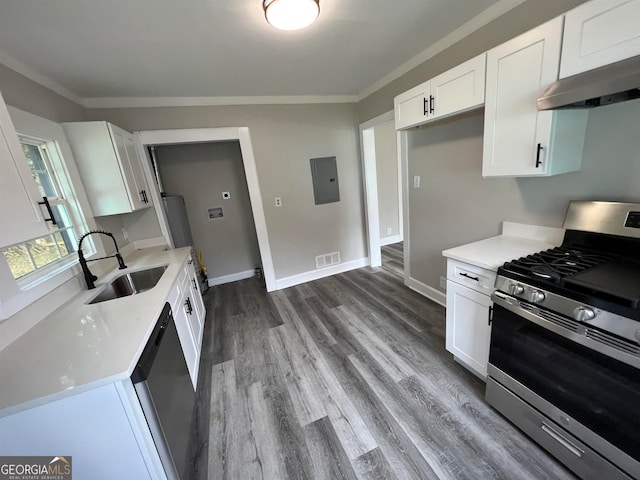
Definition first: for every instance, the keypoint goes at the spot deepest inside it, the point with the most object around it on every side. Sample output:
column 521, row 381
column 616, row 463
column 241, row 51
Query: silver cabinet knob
column 583, row 314
column 536, row 296
column 515, row 289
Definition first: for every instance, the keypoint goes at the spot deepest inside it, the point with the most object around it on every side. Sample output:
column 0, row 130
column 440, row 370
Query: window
column 46, row 166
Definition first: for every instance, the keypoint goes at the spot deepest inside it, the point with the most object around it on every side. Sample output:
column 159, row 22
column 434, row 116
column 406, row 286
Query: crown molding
column 19, row 67
column 490, row 14
column 142, row 102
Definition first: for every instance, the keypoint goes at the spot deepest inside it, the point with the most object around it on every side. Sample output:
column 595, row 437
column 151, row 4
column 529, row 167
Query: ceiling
column 224, row 48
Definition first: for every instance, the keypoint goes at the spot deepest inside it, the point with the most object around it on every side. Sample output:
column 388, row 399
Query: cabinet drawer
column 476, row 278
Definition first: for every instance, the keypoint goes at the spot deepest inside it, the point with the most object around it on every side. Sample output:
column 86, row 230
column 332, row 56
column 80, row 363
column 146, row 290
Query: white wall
column 455, row 205
column 387, row 175
column 284, row 138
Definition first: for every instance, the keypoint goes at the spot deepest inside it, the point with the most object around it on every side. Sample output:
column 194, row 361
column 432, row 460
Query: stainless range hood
column 613, row 83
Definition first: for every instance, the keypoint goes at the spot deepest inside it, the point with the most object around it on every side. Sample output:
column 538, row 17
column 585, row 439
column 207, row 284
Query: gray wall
column 201, row 172
column 284, row 138
column 25, row 94
column 20, row 92
column 387, row 173
column 529, row 14
column 455, row 205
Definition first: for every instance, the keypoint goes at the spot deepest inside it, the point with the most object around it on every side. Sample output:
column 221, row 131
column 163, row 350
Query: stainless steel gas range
column 564, row 361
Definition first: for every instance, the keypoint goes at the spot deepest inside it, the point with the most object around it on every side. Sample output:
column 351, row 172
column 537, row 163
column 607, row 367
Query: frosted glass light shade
column 291, row 14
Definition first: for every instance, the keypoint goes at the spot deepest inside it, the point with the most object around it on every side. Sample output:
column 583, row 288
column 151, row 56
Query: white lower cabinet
column 103, row 430
column 189, row 313
column 468, row 330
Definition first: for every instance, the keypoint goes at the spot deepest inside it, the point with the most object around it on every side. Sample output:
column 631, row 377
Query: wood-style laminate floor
column 393, row 258
column 345, row 378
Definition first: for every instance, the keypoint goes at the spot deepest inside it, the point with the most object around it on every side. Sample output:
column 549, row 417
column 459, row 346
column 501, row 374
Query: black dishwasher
column 164, row 388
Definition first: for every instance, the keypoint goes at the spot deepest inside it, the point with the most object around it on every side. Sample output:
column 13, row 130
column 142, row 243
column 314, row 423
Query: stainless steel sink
column 130, row 284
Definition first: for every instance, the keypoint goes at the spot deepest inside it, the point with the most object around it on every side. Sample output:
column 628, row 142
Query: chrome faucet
column 88, row 276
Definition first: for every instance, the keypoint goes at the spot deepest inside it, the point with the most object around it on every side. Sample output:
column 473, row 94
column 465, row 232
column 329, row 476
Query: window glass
column 27, row 257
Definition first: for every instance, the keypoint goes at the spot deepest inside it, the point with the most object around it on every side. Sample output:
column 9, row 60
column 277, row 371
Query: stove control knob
column 515, row 289
column 584, row 314
column 536, row 296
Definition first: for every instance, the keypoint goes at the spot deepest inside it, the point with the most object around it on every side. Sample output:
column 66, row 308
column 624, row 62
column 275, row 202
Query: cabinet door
column 412, row 107
column 459, row 89
column 600, row 32
column 136, row 167
column 185, row 333
column 468, row 330
column 196, row 304
column 129, row 164
column 516, row 135
column 109, row 166
column 21, row 216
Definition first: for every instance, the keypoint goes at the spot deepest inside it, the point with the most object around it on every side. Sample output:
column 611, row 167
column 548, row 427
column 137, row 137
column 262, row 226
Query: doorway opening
column 383, row 192
column 234, row 137
column 206, row 201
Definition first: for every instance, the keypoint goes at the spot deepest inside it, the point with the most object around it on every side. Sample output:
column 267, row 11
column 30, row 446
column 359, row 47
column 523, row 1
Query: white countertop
column 516, row 241
column 79, row 346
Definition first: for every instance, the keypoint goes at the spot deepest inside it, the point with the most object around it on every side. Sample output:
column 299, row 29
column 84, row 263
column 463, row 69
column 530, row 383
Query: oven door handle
column 578, row 452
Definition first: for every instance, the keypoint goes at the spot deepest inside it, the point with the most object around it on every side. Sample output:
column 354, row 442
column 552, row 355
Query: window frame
column 17, row 294
column 54, row 164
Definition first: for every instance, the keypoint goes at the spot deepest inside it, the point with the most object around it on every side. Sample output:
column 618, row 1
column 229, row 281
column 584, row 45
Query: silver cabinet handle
column 578, row 452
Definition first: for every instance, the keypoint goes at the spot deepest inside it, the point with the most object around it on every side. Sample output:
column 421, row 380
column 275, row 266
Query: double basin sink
column 130, row 283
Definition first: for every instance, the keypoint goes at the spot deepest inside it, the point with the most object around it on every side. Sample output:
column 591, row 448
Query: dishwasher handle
column 143, row 367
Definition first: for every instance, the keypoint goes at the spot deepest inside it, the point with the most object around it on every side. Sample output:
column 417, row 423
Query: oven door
column 538, row 356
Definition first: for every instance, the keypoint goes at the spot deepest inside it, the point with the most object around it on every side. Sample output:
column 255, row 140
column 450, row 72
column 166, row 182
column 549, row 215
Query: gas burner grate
column 555, row 264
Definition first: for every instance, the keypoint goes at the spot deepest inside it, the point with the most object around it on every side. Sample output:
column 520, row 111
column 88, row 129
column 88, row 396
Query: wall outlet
column 443, row 283
column 389, row 231
column 278, row 201
column 416, row 181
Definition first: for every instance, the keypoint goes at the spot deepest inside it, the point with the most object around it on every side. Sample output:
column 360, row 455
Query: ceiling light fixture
column 291, row 14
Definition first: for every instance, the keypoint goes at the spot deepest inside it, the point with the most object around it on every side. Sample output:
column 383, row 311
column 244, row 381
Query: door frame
column 370, row 180
column 207, row 135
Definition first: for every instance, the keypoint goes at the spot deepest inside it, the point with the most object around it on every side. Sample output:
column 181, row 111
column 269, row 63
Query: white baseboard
column 234, row 277
column 427, row 291
column 305, row 277
column 389, row 240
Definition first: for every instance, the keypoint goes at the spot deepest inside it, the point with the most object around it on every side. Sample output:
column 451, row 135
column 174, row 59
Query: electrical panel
column 324, row 172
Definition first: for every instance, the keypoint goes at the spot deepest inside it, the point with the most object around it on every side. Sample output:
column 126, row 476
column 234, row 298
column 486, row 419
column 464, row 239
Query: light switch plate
column 226, row 195
column 416, row 181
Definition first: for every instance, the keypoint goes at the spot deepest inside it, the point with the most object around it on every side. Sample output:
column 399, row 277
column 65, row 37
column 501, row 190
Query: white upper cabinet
column 459, row 89
column 412, row 107
column 600, row 32
column 518, row 139
column 455, row 91
column 110, row 168
column 21, row 216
